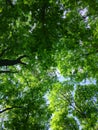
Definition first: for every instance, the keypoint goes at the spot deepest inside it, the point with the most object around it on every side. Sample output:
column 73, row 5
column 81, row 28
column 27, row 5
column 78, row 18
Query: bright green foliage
column 58, row 86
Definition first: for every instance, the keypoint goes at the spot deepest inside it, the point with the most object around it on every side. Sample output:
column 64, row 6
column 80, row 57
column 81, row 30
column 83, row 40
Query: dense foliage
column 48, row 65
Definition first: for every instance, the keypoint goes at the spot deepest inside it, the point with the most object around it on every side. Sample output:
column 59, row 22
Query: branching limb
column 20, row 58
column 74, row 106
column 7, row 62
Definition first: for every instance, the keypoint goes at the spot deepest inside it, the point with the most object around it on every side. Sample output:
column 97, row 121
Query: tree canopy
column 48, row 65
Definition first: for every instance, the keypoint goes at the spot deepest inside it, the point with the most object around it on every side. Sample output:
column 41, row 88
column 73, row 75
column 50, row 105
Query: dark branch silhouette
column 9, row 108
column 7, row 62
column 7, row 71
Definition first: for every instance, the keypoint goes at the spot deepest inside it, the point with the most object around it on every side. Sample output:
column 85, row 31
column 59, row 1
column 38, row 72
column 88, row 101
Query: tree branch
column 7, row 71
column 9, row 108
column 7, row 62
column 74, row 106
column 3, row 51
